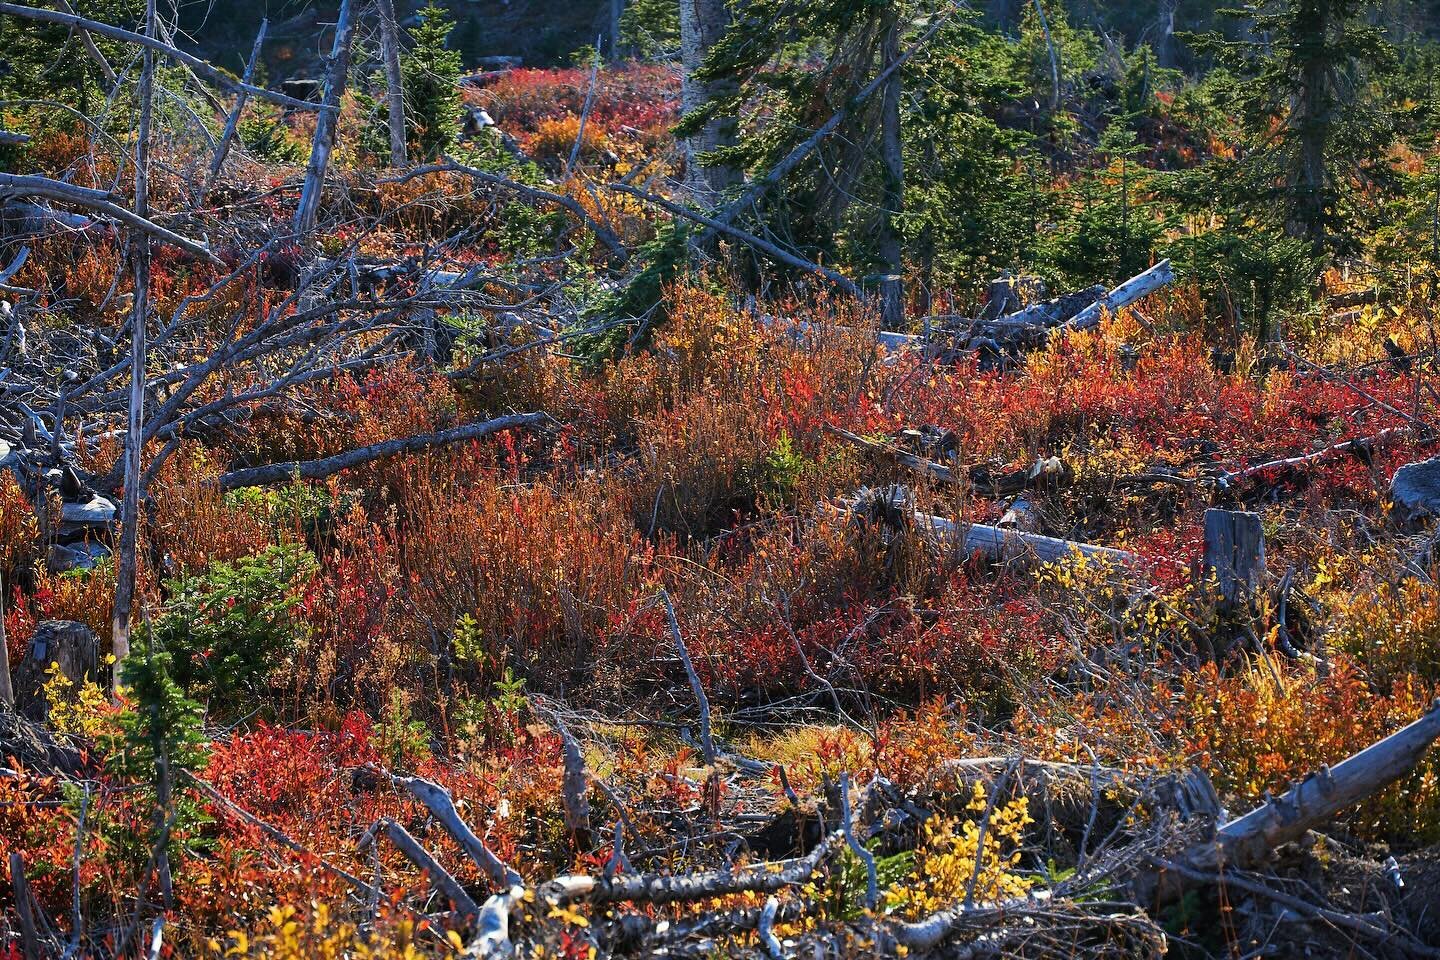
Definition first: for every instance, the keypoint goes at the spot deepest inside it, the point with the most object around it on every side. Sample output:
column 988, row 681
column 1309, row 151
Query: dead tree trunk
column 617, row 11
column 1315, row 800
column 135, row 426
column 324, row 143
column 892, row 287
column 394, row 82
column 702, row 24
column 232, row 122
column 1235, row 556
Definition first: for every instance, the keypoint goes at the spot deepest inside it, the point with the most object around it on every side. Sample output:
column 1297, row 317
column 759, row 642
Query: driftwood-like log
column 437, row 800
column 574, row 799
column 33, row 185
column 325, row 466
column 336, row 73
column 1132, row 290
column 997, row 541
column 993, row 542
column 1318, row 798
column 659, row 888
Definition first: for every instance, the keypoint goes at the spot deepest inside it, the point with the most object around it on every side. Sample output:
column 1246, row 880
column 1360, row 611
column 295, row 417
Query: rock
column 72, row 645
column 1415, row 490
column 97, row 511
column 12, row 459
column 75, row 556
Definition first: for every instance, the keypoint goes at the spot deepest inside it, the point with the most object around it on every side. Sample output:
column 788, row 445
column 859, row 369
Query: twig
column 707, row 739
column 440, row 878
column 274, row 834
column 200, row 67
column 872, row 886
column 326, row 466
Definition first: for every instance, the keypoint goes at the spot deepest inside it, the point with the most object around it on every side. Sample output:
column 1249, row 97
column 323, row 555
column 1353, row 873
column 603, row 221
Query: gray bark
column 134, row 445
column 892, row 286
column 232, row 122
column 335, row 75
column 1235, row 555
column 702, row 24
column 394, row 81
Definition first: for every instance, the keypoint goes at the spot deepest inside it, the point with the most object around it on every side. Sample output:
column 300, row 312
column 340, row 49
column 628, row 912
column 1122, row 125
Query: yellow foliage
column 946, row 858
column 287, row 934
column 82, row 709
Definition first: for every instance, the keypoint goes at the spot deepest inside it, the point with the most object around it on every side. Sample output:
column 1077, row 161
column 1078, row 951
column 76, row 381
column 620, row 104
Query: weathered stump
column 1235, row 556
column 72, row 646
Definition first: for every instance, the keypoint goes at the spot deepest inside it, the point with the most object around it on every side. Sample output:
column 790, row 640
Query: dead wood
column 99, row 201
column 602, row 233
column 1314, row 801
column 394, row 81
column 199, row 67
column 437, row 800
column 326, row 466
column 663, row 888
column 896, row 506
column 232, row 120
column 336, row 73
column 277, row 835
column 439, row 877
column 841, row 282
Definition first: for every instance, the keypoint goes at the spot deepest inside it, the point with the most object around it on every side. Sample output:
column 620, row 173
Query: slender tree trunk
column 1310, row 116
column 1164, row 44
column 702, row 24
column 325, row 123
column 7, row 689
column 232, row 122
column 617, row 9
column 892, row 203
column 125, row 569
column 394, row 81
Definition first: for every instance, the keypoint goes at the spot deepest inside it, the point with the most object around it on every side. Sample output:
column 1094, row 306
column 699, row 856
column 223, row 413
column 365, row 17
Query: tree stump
column 73, row 646
column 1235, row 556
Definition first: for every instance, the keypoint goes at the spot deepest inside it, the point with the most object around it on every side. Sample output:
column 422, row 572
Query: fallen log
column 33, row 185
column 1318, row 798
column 991, row 541
column 1357, row 445
column 326, row 466
column 1136, row 288
column 659, row 888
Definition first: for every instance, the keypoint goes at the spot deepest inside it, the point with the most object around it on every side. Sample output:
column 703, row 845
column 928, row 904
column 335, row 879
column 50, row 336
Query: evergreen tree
column 50, row 62
column 792, row 64
column 1316, row 131
column 430, row 72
